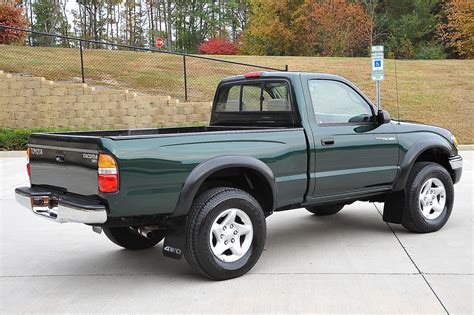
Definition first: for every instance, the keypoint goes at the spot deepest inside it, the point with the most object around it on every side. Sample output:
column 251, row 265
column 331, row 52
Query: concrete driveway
column 351, row 262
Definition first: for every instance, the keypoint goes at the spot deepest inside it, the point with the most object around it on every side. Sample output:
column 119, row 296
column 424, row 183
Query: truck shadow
column 352, row 225
column 297, row 231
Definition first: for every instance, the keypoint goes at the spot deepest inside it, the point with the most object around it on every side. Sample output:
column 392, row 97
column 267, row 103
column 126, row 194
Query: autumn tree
column 11, row 15
column 333, row 28
column 458, row 31
column 270, row 28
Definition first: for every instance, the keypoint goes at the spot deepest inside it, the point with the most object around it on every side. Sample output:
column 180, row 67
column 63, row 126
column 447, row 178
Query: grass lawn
column 439, row 92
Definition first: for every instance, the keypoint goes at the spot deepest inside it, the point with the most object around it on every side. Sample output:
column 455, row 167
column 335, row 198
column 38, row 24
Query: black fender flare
column 202, row 171
column 393, row 211
column 414, row 152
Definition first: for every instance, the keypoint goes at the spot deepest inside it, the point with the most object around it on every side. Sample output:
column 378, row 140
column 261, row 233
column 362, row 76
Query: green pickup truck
column 276, row 141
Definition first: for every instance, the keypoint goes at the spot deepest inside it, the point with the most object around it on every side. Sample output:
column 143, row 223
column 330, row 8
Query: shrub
column 431, row 52
column 17, row 139
column 12, row 16
column 218, row 46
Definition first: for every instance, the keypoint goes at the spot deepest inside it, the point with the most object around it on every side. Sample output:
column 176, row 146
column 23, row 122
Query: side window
column 336, row 103
column 265, row 96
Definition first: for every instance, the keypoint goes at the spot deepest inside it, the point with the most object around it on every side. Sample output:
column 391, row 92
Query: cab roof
column 283, row 74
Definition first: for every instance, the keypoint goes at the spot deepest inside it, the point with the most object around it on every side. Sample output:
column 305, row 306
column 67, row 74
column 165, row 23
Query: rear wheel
column 128, row 238
column 225, row 233
column 325, row 209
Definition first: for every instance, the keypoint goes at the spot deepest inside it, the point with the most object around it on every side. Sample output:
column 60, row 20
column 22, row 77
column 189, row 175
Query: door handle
column 327, row 141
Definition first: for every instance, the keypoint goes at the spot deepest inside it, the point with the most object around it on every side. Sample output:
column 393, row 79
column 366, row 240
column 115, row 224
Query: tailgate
column 64, row 162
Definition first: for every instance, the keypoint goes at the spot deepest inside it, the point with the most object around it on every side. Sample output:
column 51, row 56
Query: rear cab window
column 254, row 97
column 255, row 102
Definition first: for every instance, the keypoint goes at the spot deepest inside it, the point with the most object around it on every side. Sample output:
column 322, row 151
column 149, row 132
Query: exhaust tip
column 146, row 233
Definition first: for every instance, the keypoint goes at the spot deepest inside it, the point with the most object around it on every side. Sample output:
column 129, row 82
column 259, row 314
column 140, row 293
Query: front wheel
column 225, row 233
column 429, row 198
column 128, row 238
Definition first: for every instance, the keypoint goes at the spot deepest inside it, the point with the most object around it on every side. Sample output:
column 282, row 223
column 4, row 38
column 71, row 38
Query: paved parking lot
column 351, row 262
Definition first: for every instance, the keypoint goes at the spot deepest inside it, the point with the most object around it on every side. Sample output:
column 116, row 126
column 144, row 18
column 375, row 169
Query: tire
column 325, row 210
column 420, row 192
column 210, row 219
column 129, row 239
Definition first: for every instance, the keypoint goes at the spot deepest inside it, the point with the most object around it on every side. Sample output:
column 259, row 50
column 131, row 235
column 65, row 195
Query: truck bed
column 154, row 163
column 76, row 172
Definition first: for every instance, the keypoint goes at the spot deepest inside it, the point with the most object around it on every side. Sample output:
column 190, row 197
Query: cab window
column 269, row 96
column 336, row 103
column 251, row 95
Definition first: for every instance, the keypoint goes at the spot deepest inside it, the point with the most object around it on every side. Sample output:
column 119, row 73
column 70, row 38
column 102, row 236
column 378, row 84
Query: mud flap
column 173, row 246
column 394, row 207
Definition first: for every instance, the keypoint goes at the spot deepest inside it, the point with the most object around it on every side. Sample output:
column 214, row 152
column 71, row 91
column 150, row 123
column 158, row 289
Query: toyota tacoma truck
column 276, row 141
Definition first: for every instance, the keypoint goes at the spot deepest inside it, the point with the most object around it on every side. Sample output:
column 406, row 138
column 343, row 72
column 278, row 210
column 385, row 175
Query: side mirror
column 383, row 117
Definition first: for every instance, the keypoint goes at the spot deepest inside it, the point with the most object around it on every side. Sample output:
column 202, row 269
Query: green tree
column 410, row 24
column 49, row 18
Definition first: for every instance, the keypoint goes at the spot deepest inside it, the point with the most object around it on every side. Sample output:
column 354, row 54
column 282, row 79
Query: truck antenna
column 396, row 90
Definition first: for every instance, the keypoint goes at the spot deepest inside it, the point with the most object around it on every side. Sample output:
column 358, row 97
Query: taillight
column 108, row 174
column 28, row 169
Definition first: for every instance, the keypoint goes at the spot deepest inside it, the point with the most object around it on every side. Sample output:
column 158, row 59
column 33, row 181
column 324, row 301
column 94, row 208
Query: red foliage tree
column 218, row 46
column 12, row 16
column 334, row 28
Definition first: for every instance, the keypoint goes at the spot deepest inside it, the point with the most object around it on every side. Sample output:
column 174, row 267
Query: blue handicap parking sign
column 377, row 63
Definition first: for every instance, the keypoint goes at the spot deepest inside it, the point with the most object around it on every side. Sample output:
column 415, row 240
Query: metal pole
column 396, row 90
column 185, row 79
column 82, row 61
column 378, row 94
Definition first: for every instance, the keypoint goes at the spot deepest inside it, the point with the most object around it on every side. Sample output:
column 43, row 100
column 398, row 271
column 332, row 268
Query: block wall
column 29, row 102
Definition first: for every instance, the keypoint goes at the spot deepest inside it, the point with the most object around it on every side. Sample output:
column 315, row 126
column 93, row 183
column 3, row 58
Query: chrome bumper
column 455, row 162
column 60, row 209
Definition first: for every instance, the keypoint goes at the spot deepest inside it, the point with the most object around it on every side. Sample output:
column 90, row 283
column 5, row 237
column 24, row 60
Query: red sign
column 159, row 42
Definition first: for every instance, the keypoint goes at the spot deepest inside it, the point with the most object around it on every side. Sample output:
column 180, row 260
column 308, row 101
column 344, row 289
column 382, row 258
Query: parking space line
column 413, row 262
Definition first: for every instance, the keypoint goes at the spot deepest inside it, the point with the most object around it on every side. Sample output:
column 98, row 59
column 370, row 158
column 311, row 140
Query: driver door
column 353, row 153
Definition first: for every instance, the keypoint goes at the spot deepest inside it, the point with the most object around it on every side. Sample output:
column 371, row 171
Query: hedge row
column 17, row 139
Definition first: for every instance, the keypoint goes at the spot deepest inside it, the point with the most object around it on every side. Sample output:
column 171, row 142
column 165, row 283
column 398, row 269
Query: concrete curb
column 462, row 147
column 466, row 147
column 12, row 153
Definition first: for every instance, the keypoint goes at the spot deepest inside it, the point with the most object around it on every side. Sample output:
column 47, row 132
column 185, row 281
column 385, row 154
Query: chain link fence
column 143, row 70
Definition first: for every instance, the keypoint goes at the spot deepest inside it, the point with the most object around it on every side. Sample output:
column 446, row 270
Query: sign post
column 377, row 69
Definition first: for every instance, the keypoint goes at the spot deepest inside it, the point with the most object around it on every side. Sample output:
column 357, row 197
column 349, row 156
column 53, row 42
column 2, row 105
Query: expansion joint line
column 412, row 261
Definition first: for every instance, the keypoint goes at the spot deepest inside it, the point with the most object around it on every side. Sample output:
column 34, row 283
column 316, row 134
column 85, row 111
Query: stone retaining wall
column 29, row 102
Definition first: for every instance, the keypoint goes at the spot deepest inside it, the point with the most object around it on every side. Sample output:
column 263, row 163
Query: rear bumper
column 62, row 208
column 456, row 165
